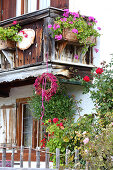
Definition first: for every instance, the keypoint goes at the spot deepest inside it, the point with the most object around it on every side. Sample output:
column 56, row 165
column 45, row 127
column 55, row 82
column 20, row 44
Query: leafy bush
column 10, row 32
column 98, row 150
column 61, row 105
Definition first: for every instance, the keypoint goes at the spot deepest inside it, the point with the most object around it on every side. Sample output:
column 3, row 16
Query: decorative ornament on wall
column 27, row 40
column 41, row 85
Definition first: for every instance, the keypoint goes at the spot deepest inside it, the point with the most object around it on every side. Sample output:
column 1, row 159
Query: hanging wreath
column 41, row 84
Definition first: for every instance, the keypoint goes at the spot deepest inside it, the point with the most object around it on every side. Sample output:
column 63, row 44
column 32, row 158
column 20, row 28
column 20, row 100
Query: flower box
column 68, row 35
column 7, row 44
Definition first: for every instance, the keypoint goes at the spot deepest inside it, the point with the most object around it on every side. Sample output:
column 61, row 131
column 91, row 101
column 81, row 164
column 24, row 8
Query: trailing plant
column 83, row 27
column 10, row 33
column 61, row 105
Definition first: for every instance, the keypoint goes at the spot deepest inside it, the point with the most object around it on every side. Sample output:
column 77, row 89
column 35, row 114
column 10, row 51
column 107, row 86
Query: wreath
column 41, row 85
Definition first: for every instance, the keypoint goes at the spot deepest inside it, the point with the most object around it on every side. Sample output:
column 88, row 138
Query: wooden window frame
column 19, row 103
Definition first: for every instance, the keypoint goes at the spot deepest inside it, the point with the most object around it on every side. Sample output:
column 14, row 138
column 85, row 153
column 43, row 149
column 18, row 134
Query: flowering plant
column 101, row 90
column 10, row 33
column 81, row 26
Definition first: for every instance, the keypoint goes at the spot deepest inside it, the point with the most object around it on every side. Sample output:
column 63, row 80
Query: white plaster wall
column 16, row 93
column 102, row 10
column 86, row 104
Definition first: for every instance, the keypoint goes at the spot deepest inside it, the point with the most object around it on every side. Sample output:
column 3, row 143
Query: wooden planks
column 60, row 4
column 33, row 54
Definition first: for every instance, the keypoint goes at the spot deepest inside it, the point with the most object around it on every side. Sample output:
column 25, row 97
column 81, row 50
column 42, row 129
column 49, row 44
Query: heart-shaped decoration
column 27, row 40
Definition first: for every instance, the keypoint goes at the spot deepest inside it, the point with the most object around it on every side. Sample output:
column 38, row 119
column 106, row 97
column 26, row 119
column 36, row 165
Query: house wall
column 103, row 12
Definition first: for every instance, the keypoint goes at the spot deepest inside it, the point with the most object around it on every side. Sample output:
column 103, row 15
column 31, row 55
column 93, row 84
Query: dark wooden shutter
column 62, row 4
column 8, row 9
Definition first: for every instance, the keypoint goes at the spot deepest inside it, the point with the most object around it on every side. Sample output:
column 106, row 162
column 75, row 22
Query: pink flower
column 86, row 140
column 70, row 22
column 55, row 120
column 49, row 26
column 96, row 50
column 58, row 26
column 86, row 78
column 63, row 19
column 91, row 18
column 98, row 28
column 58, row 37
column 75, row 31
column 54, row 27
column 76, row 15
column 99, row 70
column 66, row 14
column 14, row 22
column 74, row 19
column 66, row 10
column 90, row 24
column 96, row 21
column 76, row 56
column 61, row 124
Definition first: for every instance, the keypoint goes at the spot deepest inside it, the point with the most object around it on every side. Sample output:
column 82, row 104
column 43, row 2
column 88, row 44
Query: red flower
column 86, row 78
column 42, row 124
column 49, row 134
column 55, row 120
column 57, row 124
column 61, row 124
column 49, row 120
column 99, row 70
column 14, row 22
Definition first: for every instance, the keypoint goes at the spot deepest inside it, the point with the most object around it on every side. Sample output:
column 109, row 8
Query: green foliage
column 101, row 90
column 61, row 105
column 85, row 29
column 10, row 33
column 62, row 137
column 98, row 150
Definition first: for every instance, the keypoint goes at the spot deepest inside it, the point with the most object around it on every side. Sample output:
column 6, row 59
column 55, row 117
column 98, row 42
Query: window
column 29, row 131
column 27, row 126
column 44, row 4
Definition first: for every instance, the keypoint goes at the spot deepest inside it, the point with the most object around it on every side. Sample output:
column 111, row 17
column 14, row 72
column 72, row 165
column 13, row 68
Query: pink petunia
column 14, row 22
column 50, row 26
column 66, row 10
column 90, row 24
column 98, row 28
column 75, row 31
column 76, row 56
column 76, row 15
column 91, row 18
column 54, row 27
column 58, row 26
column 74, row 19
column 66, row 14
column 58, row 37
column 70, row 22
column 96, row 50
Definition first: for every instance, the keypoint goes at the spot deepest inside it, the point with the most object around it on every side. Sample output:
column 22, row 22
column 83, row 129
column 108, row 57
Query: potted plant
column 8, row 36
column 75, row 28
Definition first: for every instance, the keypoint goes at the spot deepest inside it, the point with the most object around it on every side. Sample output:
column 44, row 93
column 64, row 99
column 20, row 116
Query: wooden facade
column 62, row 63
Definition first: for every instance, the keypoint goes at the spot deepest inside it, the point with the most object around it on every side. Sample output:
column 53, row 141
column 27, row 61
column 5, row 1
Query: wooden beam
column 4, row 94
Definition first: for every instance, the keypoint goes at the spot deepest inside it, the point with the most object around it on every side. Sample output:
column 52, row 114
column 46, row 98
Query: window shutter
column 8, row 125
column 8, row 9
column 60, row 4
